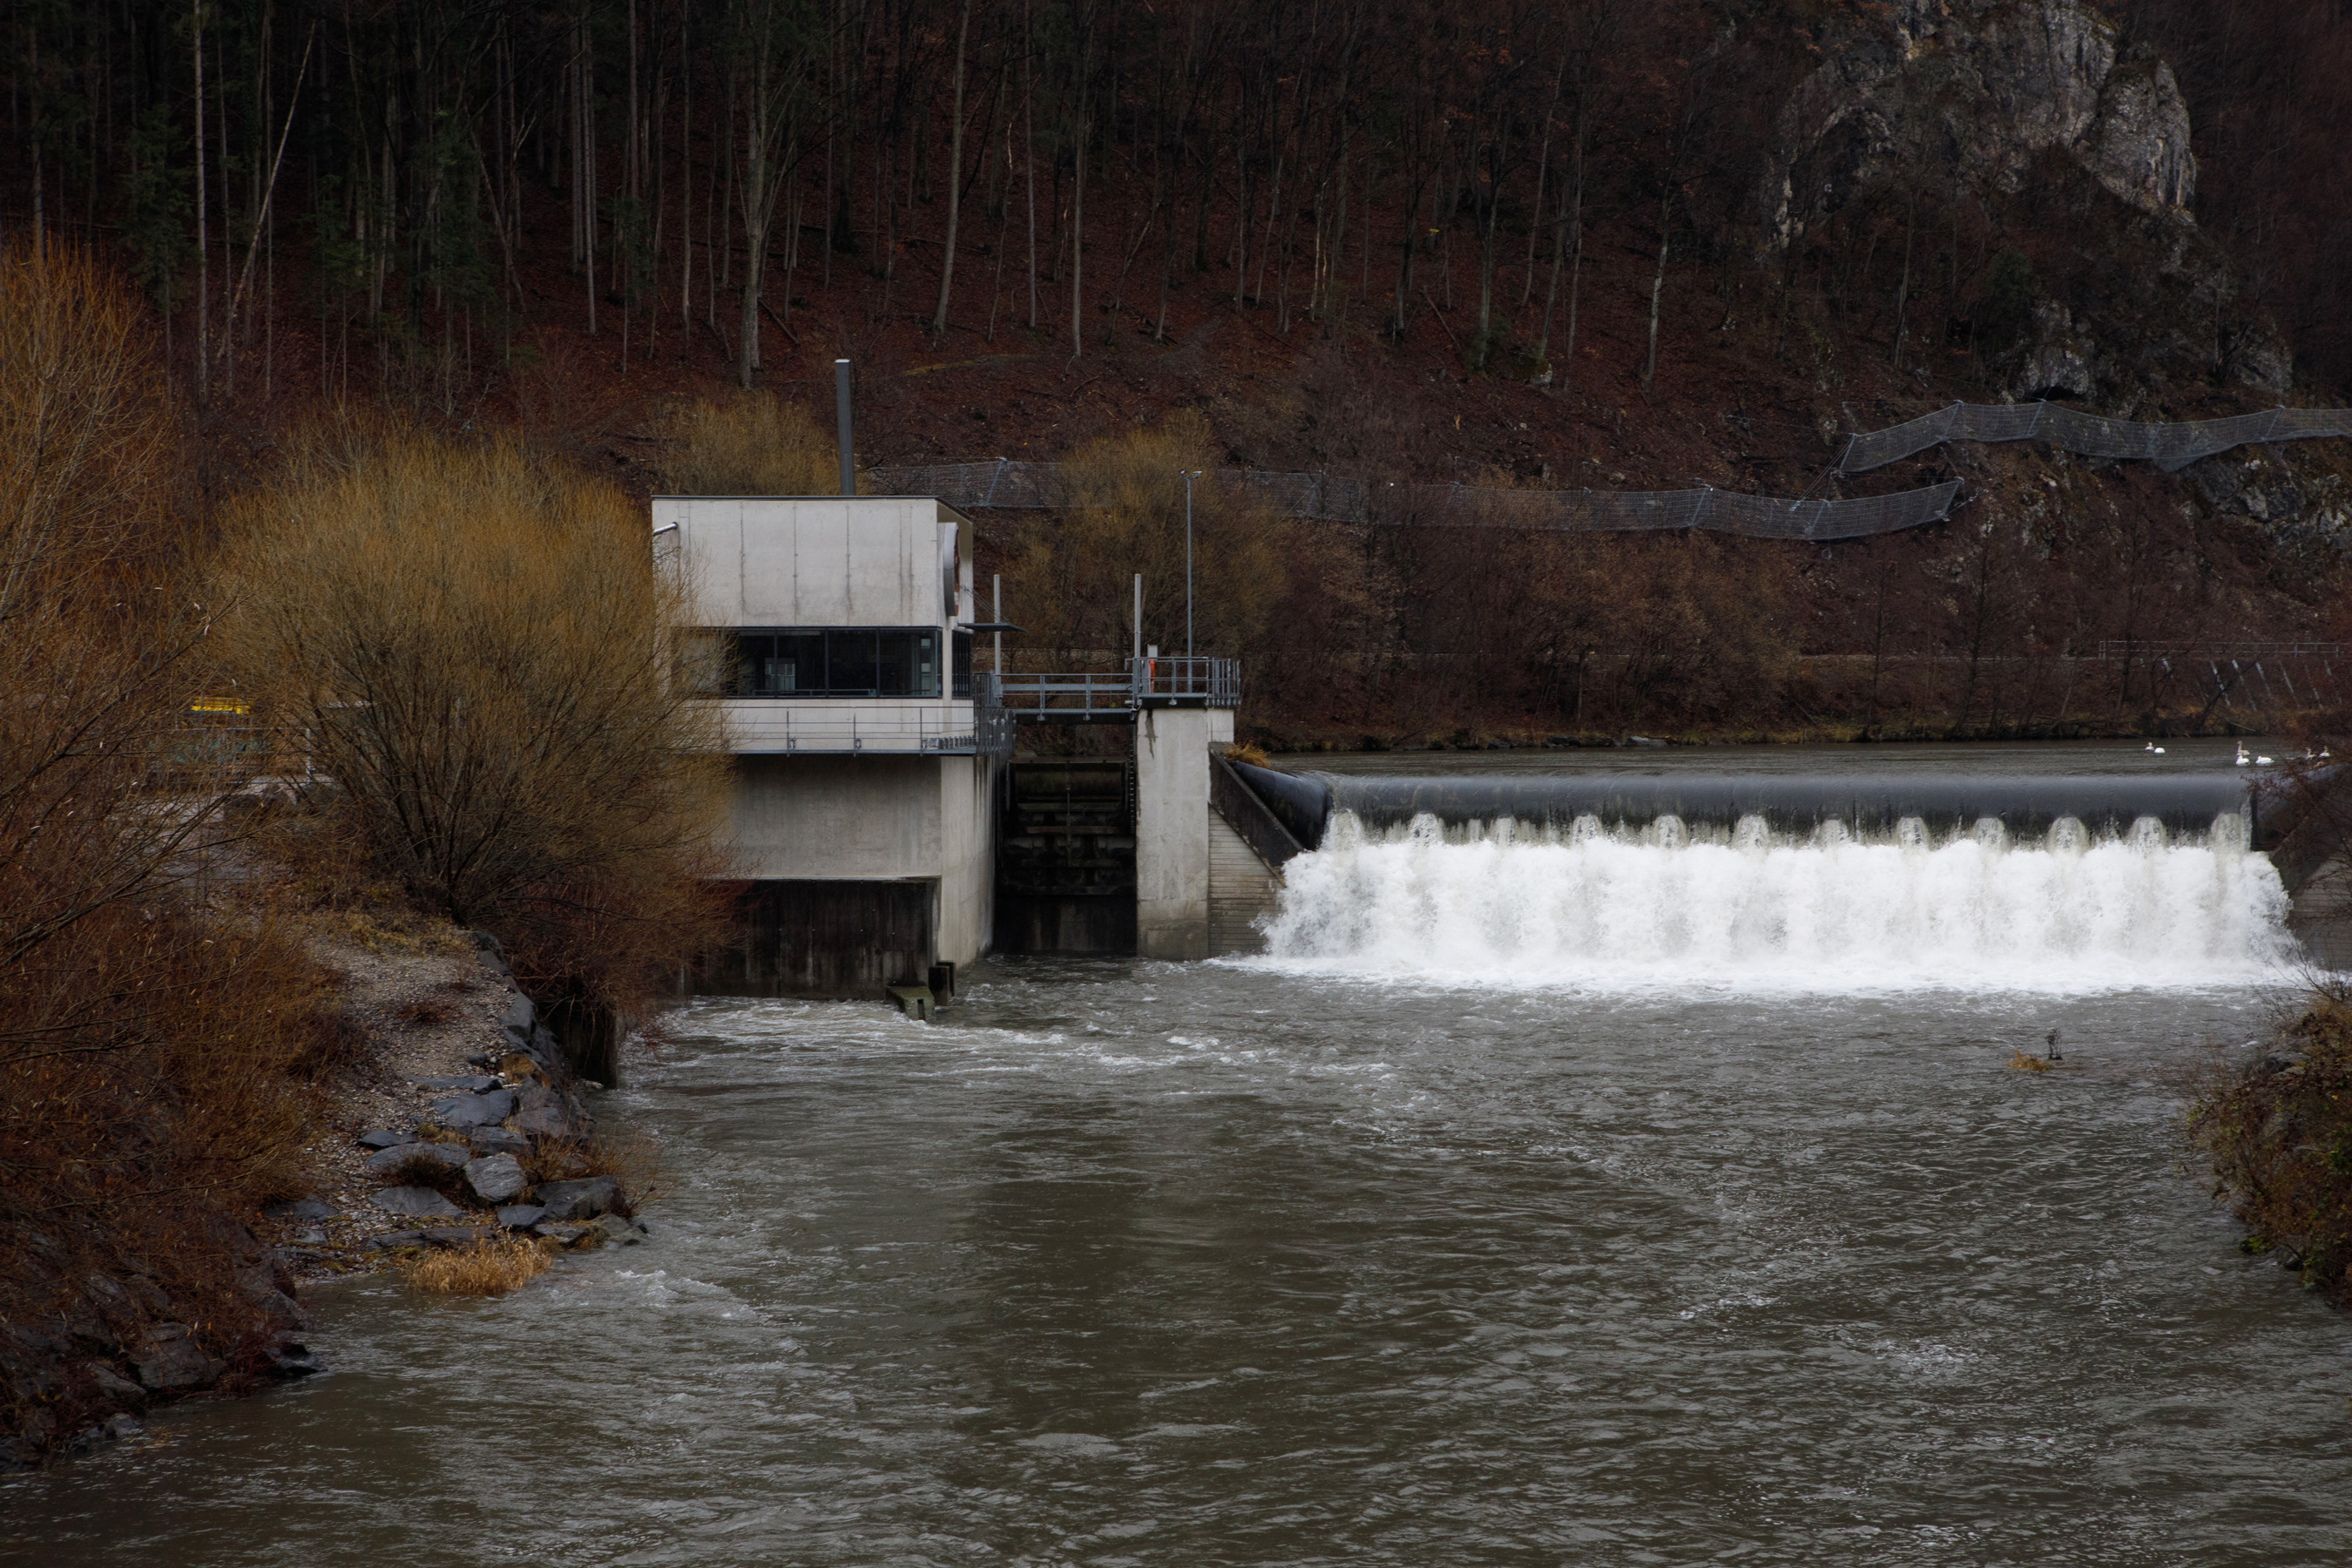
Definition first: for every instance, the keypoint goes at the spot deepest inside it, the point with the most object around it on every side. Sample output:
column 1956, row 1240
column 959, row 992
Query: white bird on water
column 2156, row 749
column 2243, row 758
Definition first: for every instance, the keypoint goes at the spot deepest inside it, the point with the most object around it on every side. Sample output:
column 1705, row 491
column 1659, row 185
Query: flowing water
column 1542, row 1198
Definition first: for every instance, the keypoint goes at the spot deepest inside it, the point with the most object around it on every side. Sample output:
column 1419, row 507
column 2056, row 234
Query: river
column 1360, row 1254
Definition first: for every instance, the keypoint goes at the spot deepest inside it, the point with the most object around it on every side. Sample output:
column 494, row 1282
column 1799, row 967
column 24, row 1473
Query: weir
column 1865, row 806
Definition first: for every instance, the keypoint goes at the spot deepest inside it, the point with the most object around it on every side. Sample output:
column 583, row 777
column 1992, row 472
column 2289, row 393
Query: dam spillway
column 1819, row 883
column 2025, row 806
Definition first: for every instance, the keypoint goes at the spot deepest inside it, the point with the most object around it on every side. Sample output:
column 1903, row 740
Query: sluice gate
column 1066, row 858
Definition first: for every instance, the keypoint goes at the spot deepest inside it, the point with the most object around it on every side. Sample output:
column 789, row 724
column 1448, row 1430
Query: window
column 850, row 661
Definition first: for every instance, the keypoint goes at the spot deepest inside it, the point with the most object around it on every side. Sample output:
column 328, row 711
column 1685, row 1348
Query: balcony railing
column 760, row 726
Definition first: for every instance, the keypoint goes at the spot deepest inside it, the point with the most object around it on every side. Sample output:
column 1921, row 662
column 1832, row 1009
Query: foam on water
column 1744, row 910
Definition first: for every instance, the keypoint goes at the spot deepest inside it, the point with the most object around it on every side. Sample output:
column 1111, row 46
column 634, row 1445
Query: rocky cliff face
column 1974, row 91
column 2030, row 103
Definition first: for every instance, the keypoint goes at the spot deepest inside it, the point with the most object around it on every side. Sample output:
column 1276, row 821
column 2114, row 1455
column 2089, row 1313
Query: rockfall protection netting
column 1328, row 498
column 2170, row 446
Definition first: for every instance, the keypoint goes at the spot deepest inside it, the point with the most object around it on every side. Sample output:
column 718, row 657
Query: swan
column 2262, row 761
column 2243, row 758
column 2152, row 746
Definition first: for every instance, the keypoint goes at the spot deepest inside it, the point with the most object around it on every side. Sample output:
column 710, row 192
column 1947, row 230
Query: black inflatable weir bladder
column 2026, row 806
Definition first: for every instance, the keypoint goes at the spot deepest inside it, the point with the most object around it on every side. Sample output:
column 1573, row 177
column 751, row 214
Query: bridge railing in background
column 1332, row 498
column 2170, row 446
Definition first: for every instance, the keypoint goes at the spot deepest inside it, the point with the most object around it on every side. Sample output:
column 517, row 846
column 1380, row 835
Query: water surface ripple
column 1134, row 1263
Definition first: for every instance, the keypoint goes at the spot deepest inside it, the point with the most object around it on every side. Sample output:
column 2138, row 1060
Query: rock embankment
column 456, row 1121
column 476, row 1127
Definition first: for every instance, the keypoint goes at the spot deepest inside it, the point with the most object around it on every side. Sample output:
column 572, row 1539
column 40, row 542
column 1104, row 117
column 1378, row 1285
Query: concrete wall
column 872, row 561
column 968, row 807
column 1242, row 888
column 1171, row 828
column 872, row 819
column 836, row 817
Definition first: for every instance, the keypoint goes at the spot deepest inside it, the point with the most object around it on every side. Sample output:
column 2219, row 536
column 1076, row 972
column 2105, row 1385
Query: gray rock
column 416, row 1202
column 171, row 1359
column 618, row 1231
column 492, row 955
column 496, row 1178
column 392, row 1241
column 309, row 1208
column 385, row 1138
column 122, row 1424
column 291, row 1360
column 542, row 1114
column 519, row 1015
column 561, row 1232
column 460, row 1111
column 471, row 1082
column 584, row 1199
column 458, row 1235
column 496, row 1141
column 521, row 1217
column 282, row 1312
column 113, row 1385
column 410, row 1156
column 87, row 1327
column 313, row 1236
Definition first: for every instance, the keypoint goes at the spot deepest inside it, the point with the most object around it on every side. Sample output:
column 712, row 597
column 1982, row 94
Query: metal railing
column 1088, row 696
column 2120, row 647
column 1185, row 681
column 1068, row 697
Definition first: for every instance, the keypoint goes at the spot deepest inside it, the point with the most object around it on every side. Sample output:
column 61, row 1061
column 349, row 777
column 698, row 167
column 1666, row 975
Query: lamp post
column 1187, row 561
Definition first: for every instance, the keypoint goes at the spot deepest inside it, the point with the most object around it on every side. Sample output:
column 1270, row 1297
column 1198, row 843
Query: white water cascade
column 1748, row 910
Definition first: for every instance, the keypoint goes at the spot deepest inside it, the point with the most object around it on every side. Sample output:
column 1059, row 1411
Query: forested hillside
column 1615, row 243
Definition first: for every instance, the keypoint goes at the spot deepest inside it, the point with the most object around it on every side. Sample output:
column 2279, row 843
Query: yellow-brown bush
column 473, row 640
column 752, row 444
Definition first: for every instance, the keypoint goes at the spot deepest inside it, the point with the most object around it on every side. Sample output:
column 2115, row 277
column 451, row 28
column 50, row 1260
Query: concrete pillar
column 1171, row 828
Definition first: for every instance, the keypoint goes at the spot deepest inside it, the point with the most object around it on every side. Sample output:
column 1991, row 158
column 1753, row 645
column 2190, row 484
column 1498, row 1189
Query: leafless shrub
column 2278, row 1130
column 1071, row 575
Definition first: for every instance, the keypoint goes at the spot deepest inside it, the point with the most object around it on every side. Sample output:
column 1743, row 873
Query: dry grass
column 750, row 444
column 2021, row 1062
column 485, row 1268
column 1254, row 755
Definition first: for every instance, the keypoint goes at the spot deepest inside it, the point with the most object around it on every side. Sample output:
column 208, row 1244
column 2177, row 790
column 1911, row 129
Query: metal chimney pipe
column 841, row 418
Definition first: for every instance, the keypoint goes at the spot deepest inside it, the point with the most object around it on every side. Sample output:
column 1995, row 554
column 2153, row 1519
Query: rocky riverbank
column 451, row 1120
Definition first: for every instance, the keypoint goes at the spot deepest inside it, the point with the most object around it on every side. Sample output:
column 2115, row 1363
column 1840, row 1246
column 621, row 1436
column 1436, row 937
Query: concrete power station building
column 883, row 832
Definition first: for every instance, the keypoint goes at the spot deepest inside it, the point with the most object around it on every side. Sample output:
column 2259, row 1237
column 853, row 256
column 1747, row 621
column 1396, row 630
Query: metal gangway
column 1116, row 697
